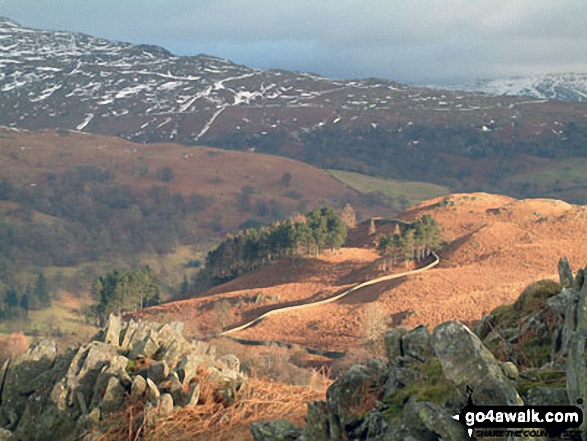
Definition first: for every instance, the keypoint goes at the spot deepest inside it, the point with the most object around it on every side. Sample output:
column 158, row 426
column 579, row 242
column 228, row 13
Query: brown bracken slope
column 496, row 246
column 27, row 157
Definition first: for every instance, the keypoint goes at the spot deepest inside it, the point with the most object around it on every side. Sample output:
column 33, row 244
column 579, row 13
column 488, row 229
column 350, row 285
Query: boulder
column 436, row 421
column 113, row 397
column 152, row 392
column 145, row 348
column 158, row 371
column 175, row 389
column 546, row 396
column 373, row 425
column 565, row 274
column 5, row 434
column 112, row 331
column 36, row 361
column 187, row 367
column 393, row 343
column 416, row 343
column 317, row 426
column 279, row 430
column 466, row 362
column 229, row 366
column 576, row 336
column 191, row 399
column 347, row 396
column 84, row 370
column 165, row 405
column 138, row 387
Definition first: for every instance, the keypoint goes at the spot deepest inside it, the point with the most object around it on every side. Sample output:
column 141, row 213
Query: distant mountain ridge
column 553, row 86
column 463, row 140
column 103, row 80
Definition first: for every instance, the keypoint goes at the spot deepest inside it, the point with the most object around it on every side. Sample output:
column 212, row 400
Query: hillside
column 464, row 140
column 77, row 205
column 205, row 191
column 496, row 246
column 554, row 86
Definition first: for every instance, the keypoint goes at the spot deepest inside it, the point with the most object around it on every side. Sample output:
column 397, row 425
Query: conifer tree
column 385, row 249
column 184, row 288
column 41, row 291
column 24, row 303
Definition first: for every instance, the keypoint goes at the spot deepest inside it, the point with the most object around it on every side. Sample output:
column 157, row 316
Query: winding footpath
column 330, row 354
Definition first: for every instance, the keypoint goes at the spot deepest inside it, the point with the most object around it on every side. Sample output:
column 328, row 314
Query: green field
column 570, row 171
column 414, row 192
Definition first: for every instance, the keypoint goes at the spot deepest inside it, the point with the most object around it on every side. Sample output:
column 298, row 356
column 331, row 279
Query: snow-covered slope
column 54, row 79
column 558, row 87
column 71, row 80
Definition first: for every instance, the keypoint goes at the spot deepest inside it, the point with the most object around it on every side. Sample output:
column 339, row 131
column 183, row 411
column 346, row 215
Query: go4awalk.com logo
column 492, row 421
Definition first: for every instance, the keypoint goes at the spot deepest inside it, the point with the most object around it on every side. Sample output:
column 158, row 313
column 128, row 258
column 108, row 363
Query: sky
column 410, row 41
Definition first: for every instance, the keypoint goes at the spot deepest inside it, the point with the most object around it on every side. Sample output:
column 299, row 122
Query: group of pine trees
column 250, row 249
column 122, row 290
column 414, row 241
column 18, row 301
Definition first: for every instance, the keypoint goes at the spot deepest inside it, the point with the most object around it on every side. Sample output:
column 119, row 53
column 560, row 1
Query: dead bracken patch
column 259, row 400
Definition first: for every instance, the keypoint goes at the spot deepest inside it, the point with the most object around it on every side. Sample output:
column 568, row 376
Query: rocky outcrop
column 532, row 352
column 466, row 362
column 575, row 342
column 46, row 396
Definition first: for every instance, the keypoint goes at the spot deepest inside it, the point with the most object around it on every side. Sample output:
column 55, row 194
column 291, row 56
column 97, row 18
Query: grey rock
column 510, row 370
column 416, row 343
column 317, row 427
column 113, row 397
column 176, row 389
column 436, row 420
column 158, row 371
column 128, row 334
column 38, row 359
column 145, row 348
column 124, row 378
column 374, row 425
column 579, row 280
column 393, row 343
column 187, row 367
column 576, row 333
column 486, row 325
column 279, row 430
column 546, row 396
column 152, row 391
column 398, row 378
column 347, row 394
column 558, row 303
column 230, row 365
column 565, row 274
column 112, row 331
column 5, row 434
column 193, row 395
column 139, row 385
column 165, row 405
column 86, row 366
column 50, row 397
column 108, row 371
column 465, row 361
column 173, row 352
column 3, row 371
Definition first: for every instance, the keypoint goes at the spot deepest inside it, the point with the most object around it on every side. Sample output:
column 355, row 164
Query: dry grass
column 12, row 346
column 259, row 400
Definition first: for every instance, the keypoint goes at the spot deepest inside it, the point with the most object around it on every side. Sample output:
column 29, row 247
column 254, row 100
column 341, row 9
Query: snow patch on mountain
column 554, row 86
